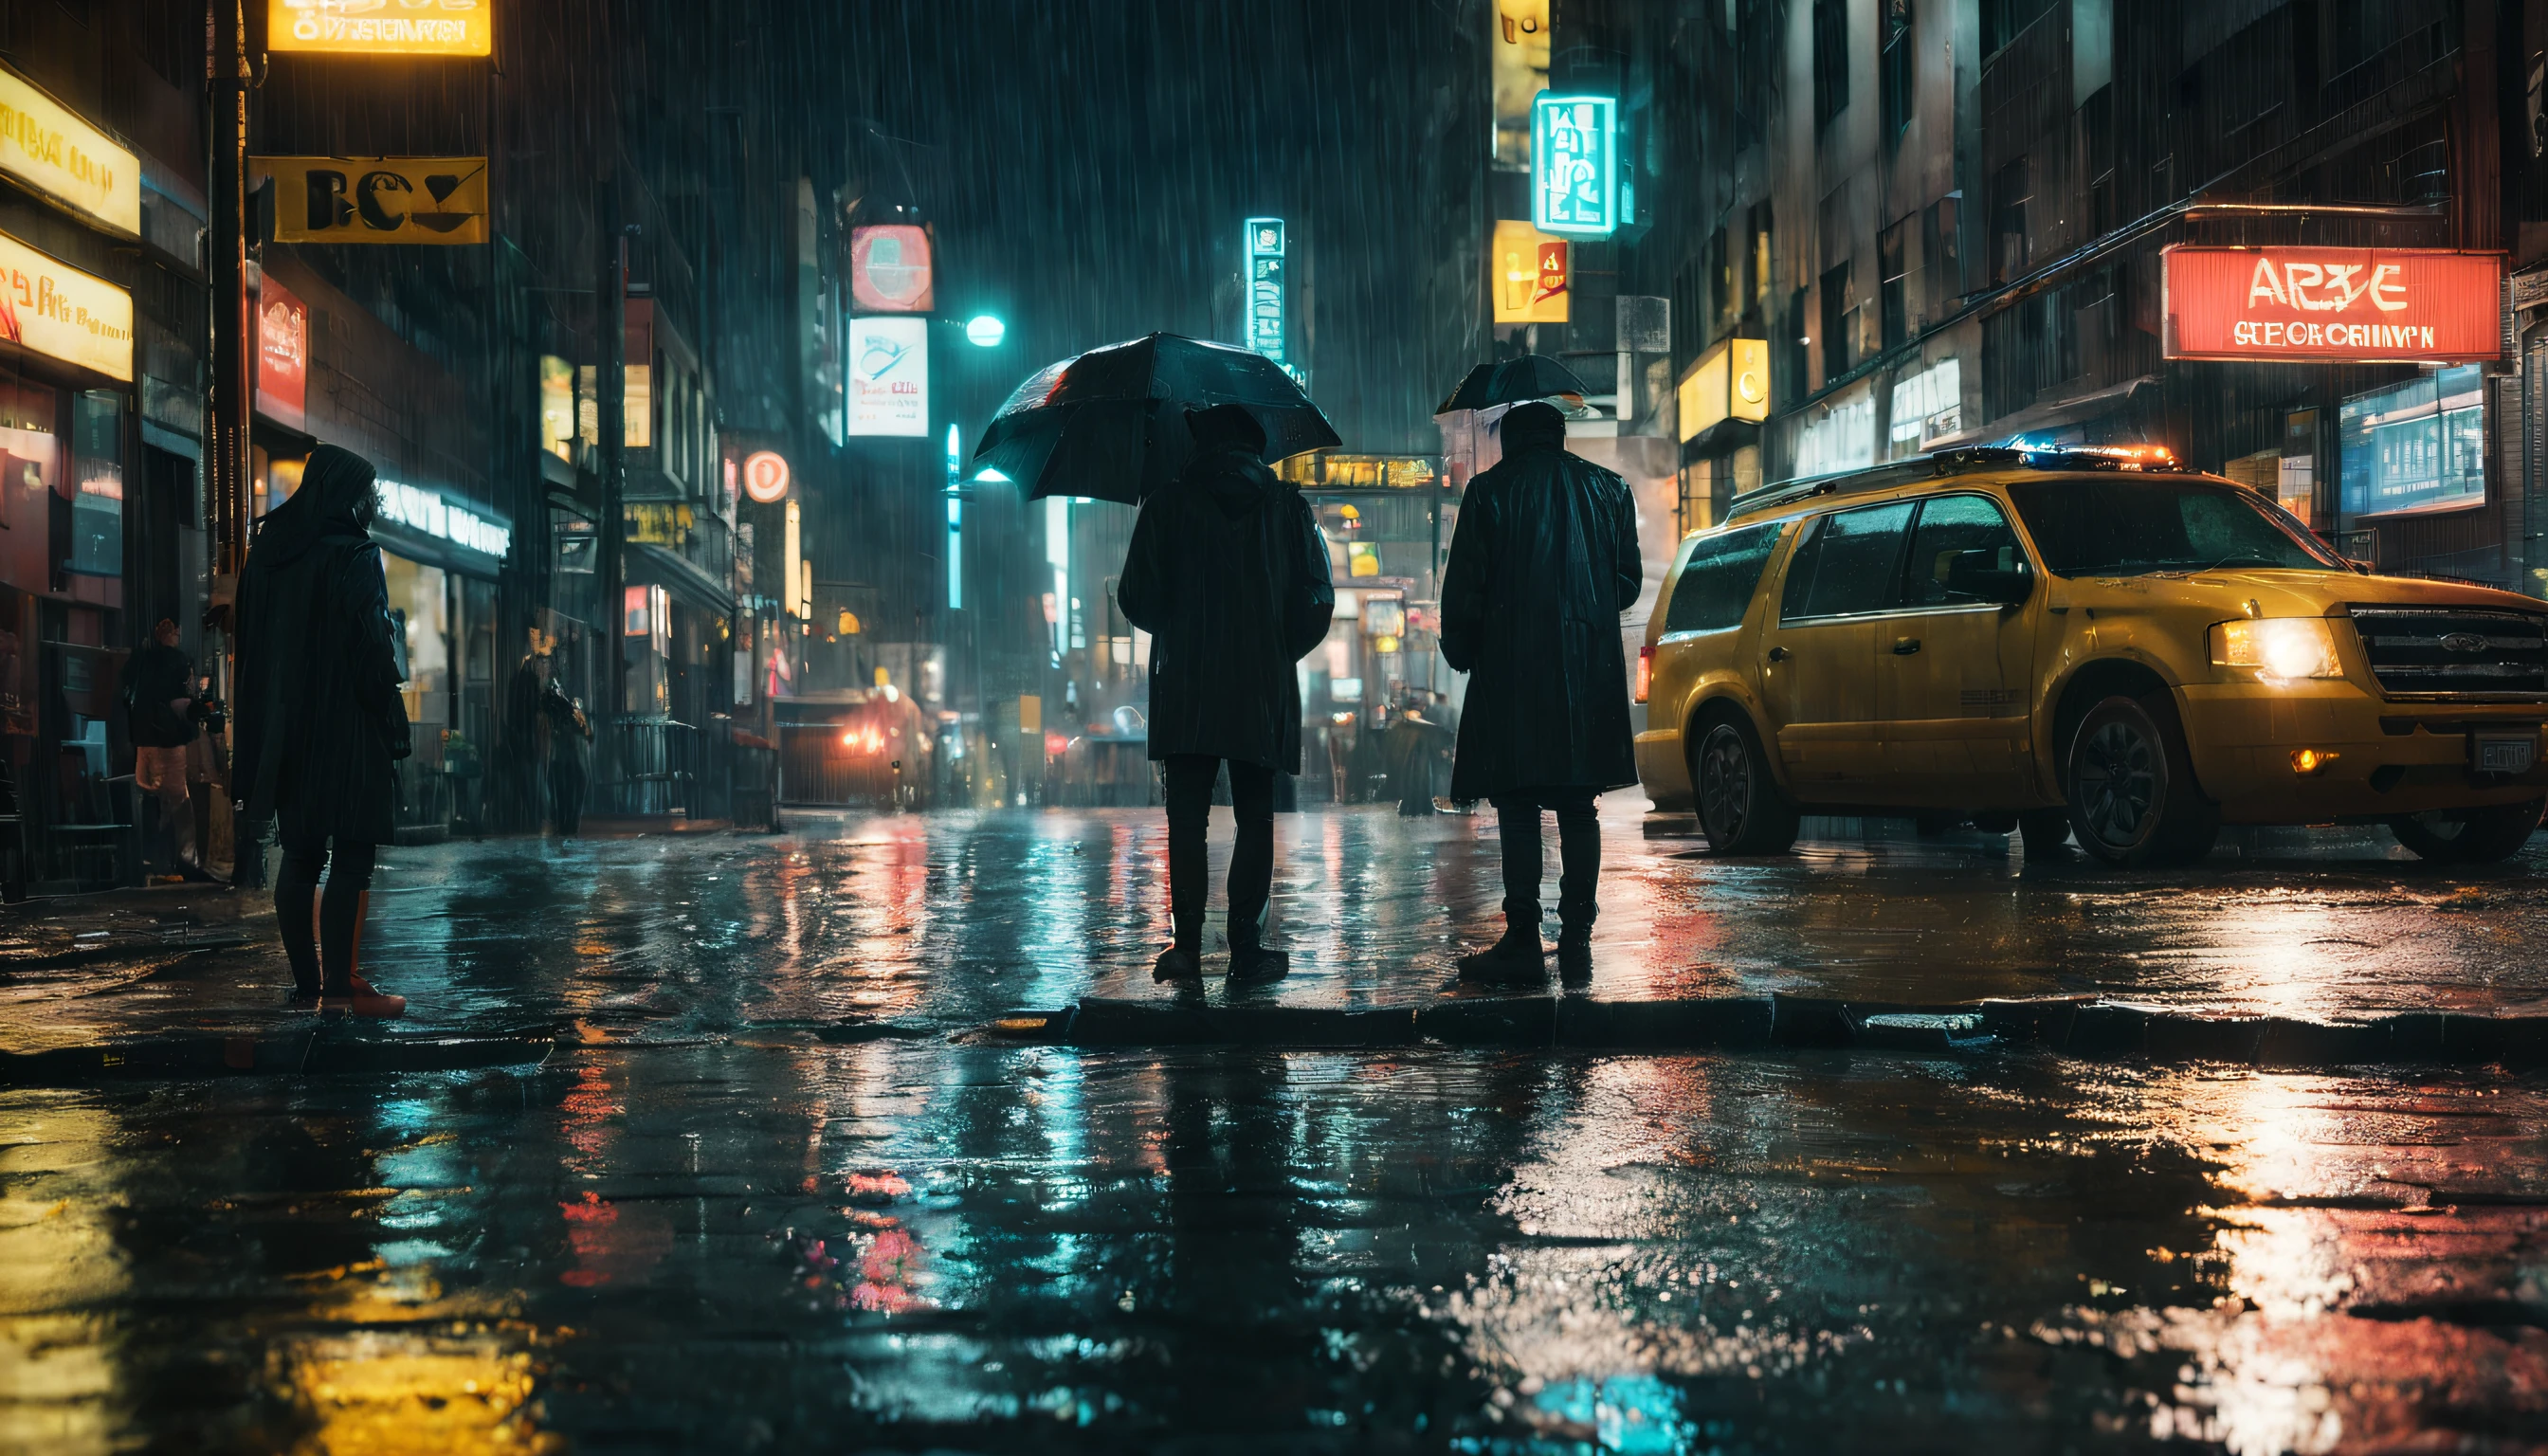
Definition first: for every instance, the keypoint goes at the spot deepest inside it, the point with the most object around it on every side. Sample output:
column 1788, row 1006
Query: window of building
column 96, row 507
column 1893, row 282
column 1942, row 255
column 1894, row 79
column 1831, row 60
column 2012, row 188
column 1759, row 252
column 2003, row 18
column 1838, row 318
column 1720, row 282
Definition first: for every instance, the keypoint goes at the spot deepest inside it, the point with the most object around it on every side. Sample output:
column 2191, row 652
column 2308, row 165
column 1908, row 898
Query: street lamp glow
column 985, row 331
column 990, row 475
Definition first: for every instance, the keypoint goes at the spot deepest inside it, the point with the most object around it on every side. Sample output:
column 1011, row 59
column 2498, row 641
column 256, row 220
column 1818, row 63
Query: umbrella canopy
column 1111, row 422
column 1530, row 377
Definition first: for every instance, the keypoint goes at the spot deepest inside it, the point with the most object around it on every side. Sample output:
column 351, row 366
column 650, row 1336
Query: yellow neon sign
column 381, row 26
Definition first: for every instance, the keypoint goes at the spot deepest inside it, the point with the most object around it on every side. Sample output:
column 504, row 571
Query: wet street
column 784, row 1182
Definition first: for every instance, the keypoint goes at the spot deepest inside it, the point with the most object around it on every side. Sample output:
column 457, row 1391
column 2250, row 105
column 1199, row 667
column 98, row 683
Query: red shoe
column 358, row 997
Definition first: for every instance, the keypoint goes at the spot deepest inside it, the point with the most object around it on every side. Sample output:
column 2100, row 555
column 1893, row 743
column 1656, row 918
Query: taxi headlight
column 2280, row 649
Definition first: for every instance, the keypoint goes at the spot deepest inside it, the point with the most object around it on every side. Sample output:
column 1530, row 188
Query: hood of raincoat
column 334, row 500
column 1229, row 465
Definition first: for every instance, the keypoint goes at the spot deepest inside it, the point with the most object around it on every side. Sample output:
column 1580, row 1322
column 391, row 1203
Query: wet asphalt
column 711, row 1221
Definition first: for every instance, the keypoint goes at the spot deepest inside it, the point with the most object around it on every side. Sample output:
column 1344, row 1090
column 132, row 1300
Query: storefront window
column 2417, row 447
column 29, row 468
column 96, row 507
column 419, row 613
column 557, row 407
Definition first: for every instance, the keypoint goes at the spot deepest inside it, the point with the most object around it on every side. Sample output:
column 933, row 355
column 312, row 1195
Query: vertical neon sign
column 1265, row 301
column 1575, row 165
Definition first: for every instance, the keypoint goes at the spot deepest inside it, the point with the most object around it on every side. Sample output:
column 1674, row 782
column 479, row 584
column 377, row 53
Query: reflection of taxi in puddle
column 2080, row 643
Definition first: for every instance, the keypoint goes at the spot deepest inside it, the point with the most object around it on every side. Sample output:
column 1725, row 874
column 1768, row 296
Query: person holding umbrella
column 1543, row 562
column 1229, row 575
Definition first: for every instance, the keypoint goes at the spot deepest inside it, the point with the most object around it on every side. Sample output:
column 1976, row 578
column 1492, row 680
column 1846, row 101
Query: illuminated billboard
column 1575, row 165
column 891, row 270
column 2416, row 447
column 45, row 145
column 1265, row 301
column 1528, row 272
column 889, row 376
column 1731, row 382
column 375, row 27
column 2332, row 305
column 282, row 354
column 54, row 308
column 440, row 200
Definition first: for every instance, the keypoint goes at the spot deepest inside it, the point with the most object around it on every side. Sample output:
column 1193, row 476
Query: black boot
column 1517, row 959
column 1177, row 964
column 1254, row 965
column 1575, row 942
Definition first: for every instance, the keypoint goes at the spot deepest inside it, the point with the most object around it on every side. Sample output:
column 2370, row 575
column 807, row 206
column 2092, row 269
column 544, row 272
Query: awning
column 2050, row 414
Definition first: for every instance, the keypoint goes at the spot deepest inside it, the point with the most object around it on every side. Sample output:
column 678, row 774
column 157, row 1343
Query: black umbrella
column 1110, row 423
column 1530, row 377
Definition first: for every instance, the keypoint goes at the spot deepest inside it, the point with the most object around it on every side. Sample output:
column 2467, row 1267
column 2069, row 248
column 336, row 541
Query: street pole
column 228, row 493
column 610, row 404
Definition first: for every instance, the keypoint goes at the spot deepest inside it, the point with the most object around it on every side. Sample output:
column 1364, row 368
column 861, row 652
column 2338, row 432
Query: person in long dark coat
column 320, row 719
column 1543, row 562
column 1229, row 575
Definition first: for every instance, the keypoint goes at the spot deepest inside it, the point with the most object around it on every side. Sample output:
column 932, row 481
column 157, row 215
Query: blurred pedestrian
column 1414, row 745
column 1229, row 575
column 570, row 758
column 320, row 720
column 1543, row 562
column 160, row 713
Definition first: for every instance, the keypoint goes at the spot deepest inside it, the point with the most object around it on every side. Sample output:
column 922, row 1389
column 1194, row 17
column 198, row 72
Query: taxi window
column 1847, row 565
column 1950, row 525
column 1717, row 582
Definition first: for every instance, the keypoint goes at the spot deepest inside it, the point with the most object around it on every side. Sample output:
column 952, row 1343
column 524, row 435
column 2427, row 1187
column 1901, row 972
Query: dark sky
column 1088, row 166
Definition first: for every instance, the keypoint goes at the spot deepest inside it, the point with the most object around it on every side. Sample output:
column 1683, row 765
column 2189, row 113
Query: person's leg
column 340, row 912
column 1579, row 848
column 1251, row 859
column 1517, row 825
column 177, row 809
column 1188, row 792
column 296, row 906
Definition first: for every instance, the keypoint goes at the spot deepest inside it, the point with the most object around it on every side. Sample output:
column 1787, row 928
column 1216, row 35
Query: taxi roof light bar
column 1963, row 458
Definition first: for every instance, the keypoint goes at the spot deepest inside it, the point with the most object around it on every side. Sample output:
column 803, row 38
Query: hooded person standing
column 320, row 721
column 160, row 697
column 1229, row 575
column 1543, row 561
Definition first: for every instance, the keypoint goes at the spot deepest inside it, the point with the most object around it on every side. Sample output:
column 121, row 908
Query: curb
column 299, row 1051
column 2080, row 1026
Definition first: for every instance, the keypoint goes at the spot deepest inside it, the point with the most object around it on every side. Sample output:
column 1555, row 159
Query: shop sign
column 1575, row 165
column 282, row 354
column 422, row 509
column 434, row 200
column 2333, row 303
column 765, row 477
column 45, row 145
column 1265, row 299
column 57, row 310
column 370, row 28
column 890, row 269
column 1528, row 272
column 889, row 377
column 1731, row 382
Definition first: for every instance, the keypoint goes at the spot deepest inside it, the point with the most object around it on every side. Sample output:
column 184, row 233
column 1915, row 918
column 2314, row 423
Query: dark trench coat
column 1543, row 561
column 1229, row 575
column 320, row 718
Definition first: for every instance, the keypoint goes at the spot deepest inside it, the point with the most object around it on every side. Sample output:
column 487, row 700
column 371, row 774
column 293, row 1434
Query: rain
column 1483, row 726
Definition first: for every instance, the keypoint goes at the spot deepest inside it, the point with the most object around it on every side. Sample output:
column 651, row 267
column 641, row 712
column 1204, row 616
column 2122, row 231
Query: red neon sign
column 282, row 354
column 2348, row 304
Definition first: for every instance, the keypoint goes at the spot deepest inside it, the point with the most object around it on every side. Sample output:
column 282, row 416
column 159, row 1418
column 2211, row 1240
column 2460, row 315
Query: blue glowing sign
column 1575, row 165
column 1265, row 287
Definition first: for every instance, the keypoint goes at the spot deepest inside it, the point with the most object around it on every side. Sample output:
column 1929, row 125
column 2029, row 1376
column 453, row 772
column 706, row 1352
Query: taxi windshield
column 2124, row 526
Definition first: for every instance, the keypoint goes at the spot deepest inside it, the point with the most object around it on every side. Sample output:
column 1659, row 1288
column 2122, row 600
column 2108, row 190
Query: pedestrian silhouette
column 1543, row 561
column 320, row 719
column 1229, row 575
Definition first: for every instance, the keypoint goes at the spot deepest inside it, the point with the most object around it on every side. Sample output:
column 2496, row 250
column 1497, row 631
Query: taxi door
column 1818, row 658
column 1952, row 669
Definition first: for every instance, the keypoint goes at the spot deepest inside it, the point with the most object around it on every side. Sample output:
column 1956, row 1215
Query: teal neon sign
column 1575, row 165
column 1265, row 299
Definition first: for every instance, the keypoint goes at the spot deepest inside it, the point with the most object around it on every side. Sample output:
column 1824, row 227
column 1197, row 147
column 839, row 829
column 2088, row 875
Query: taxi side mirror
column 1979, row 576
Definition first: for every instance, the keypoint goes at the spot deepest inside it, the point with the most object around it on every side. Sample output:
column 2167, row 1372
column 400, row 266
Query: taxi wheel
column 2130, row 785
column 2470, row 835
column 1741, row 807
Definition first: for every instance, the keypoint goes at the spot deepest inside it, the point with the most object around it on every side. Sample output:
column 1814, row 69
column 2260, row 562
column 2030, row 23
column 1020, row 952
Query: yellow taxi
column 2076, row 644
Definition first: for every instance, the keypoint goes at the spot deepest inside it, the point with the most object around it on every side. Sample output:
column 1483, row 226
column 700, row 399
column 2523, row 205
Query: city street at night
column 1235, row 727
column 772, row 1176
